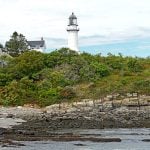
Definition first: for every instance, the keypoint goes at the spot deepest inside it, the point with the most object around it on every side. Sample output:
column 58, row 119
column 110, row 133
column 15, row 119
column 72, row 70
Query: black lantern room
column 72, row 19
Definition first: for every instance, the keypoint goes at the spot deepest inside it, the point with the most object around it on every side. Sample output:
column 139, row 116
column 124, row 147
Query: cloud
column 55, row 43
column 100, row 21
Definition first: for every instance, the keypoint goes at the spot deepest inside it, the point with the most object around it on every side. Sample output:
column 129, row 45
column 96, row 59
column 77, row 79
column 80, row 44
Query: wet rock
column 10, row 143
column 146, row 140
column 79, row 144
column 24, row 132
column 10, row 116
column 2, row 131
column 92, row 139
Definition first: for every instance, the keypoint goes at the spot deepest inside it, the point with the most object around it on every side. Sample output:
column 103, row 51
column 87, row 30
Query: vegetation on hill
column 16, row 45
column 64, row 75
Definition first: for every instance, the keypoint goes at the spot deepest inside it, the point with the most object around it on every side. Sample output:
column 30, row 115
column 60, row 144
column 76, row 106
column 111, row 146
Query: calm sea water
column 131, row 140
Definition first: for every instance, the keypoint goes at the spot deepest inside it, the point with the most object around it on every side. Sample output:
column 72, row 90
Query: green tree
column 101, row 70
column 16, row 45
column 58, row 57
column 134, row 65
column 26, row 64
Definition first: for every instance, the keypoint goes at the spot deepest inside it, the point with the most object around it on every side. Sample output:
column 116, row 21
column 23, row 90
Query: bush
column 101, row 70
column 142, row 86
column 48, row 97
column 64, row 75
column 67, row 93
column 134, row 65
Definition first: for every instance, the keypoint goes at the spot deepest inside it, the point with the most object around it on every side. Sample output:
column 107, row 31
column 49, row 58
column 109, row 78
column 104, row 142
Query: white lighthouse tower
column 73, row 33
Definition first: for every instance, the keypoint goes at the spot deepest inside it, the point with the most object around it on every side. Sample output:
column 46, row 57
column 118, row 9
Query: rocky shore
column 27, row 123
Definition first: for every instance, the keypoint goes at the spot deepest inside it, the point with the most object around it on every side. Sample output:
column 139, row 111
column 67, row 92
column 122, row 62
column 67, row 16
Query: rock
column 89, row 104
column 117, row 103
column 87, row 109
column 99, row 101
column 2, row 131
column 122, row 109
column 135, row 94
column 109, row 97
column 79, row 144
column 143, row 102
column 72, row 110
column 24, row 132
column 10, row 116
column 10, row 143
column 146, row 140
column 131, row 102
column 19, row 107
column 76, row 138
column 4, row 115
column 55, row 106
column 80, row 104
column 107, row 105
column 129, row 95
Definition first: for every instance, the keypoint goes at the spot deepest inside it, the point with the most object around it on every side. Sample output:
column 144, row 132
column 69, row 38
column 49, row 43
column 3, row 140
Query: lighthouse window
column 71, row 21
column 74, row 21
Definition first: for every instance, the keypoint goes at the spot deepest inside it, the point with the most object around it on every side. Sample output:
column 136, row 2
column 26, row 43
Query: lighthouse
column 73, row 33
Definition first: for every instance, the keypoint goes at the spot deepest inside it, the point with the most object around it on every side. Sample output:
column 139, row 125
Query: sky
column 115, row 26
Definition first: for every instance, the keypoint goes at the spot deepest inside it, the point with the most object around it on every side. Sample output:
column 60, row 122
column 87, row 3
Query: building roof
column 36, row 43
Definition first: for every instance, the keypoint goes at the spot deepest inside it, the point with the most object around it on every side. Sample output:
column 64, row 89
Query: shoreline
column 39, row 124
column 88, row 114
column 85, row 119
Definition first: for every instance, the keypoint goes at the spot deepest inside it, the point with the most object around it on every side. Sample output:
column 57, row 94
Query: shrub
column 67, row 93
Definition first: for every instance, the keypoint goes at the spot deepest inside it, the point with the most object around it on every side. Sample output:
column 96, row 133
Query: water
column 131, row 140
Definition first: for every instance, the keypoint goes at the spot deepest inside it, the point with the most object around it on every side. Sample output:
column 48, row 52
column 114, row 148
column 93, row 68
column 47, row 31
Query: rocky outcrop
column 10, row 143
column 128, row 111
column 40, row 124
column 101, row 105
column 110, row 112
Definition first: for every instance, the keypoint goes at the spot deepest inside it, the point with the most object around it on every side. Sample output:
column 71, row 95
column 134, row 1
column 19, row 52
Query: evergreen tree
column 17, row 44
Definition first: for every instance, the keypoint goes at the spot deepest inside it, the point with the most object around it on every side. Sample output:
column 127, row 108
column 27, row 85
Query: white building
column 37, row 45
column 73, row 33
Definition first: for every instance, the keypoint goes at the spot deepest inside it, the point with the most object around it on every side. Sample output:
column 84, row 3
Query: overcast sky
column 105, row 25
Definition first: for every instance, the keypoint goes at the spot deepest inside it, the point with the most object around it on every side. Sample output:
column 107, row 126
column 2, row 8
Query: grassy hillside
column 64, row 75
